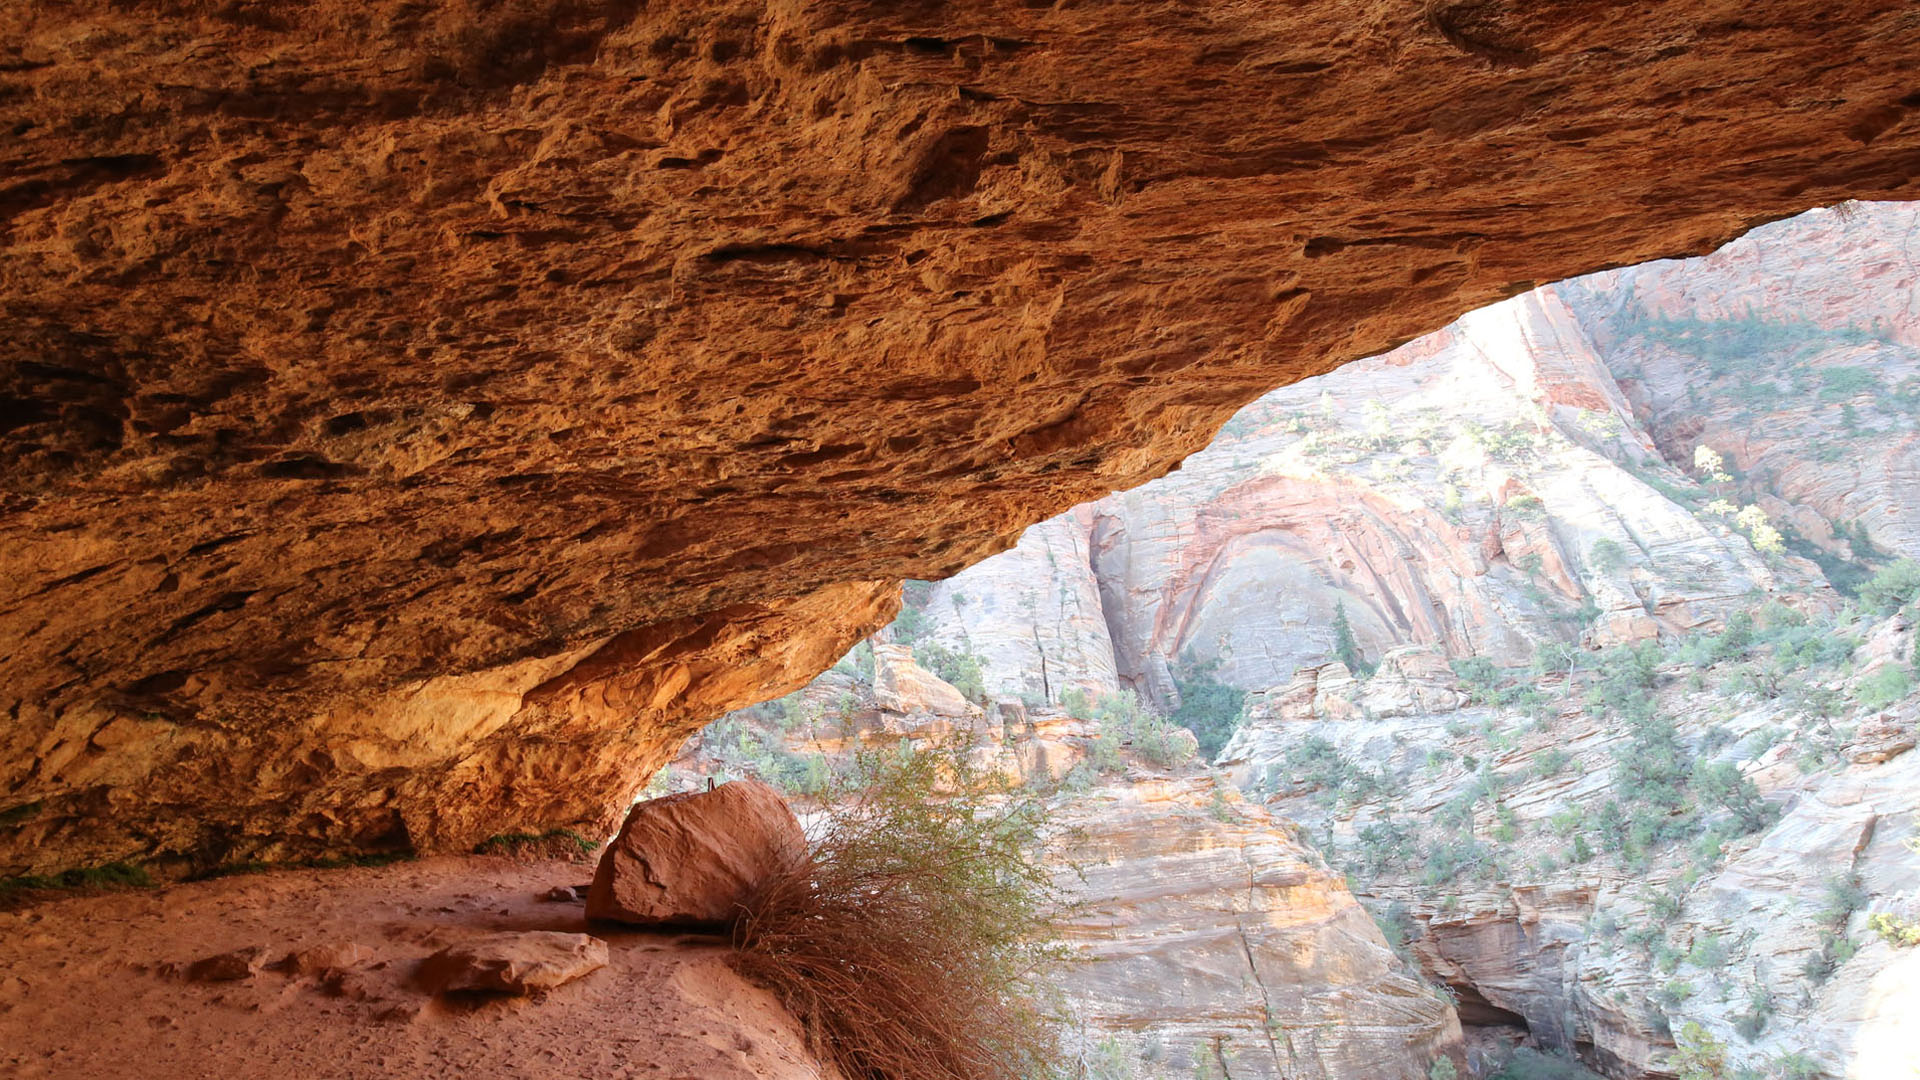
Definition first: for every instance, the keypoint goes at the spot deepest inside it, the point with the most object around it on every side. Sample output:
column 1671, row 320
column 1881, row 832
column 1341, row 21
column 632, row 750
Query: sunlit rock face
column 1213, row 938
column 354, row 348
column 1818, row 406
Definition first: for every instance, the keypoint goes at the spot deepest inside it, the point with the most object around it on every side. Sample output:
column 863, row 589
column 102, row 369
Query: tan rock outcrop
column 361, row 359
column 902, row 686
column 692, row 860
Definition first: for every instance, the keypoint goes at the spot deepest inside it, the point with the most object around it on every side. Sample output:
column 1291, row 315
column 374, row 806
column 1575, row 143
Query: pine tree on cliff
column 1344, row 647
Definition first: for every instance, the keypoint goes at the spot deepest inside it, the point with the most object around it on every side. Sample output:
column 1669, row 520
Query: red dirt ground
column 86, row 988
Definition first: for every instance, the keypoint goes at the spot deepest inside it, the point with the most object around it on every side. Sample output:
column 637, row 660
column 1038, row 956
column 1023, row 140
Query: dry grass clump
column 908, row 944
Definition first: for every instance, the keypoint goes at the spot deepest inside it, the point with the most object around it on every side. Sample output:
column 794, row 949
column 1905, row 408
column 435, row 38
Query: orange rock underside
column 369, row 368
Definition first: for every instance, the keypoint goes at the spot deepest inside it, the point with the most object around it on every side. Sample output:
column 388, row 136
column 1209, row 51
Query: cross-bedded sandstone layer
column 417, row 418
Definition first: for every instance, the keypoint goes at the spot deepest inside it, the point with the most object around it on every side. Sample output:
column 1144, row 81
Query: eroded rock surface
column 1764, row 943
column 374, row 370
column 520, row 962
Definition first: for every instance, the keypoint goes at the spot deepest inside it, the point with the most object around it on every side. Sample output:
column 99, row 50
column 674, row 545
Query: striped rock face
column 417, row 419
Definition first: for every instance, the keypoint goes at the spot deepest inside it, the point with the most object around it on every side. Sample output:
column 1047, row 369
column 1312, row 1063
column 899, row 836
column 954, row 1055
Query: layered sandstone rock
column 372, row 371
column 692, row 860
column 1211, row 937
column 1033, row 614
column 902, row 686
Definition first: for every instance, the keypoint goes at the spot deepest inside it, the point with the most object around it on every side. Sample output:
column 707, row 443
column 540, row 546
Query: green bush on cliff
column 1893, row 588
column 1724, row 786
column 1123, row 721
column 1883, row 687
column 1697, row 1055
column 1530, row 1064
column 1209, row 708
column 956, row 667
column 1894, row 930
column 1345, row 648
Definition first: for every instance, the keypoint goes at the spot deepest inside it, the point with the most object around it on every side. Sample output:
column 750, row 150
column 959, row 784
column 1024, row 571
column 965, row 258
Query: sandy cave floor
column 86, row 988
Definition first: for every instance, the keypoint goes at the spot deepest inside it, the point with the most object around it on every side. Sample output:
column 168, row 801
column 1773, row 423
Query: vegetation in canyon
column 911, row 942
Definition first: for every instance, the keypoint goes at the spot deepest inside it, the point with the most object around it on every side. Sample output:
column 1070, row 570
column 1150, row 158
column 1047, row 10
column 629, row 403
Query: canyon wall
column 1525, row 476
column 398, row 396
column 1569, row 624
column 1486, row 829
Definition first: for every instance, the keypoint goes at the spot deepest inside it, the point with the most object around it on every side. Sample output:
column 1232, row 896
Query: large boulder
column 690, row 861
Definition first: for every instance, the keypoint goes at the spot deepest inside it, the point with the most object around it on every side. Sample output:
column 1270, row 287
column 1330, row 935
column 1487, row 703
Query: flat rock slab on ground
column 513, row 962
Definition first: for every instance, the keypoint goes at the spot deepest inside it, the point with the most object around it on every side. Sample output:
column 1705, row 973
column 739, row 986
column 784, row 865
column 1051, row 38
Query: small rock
column 1881, row 738
column 324, row 959
column 563, row 894
column 690, row 861
column 513, row 962
column 227, row 966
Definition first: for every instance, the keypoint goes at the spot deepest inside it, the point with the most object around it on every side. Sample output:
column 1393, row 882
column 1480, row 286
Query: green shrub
column 1077, row 703
column 1151, row 738
column 1752, row 1022
column 1674, row 994
column 1883, row 687
column 1697, row 1055
column 1209, row 708
column 1382, row 844
column 1607, row 555
column 1794, row 1065
column 1709, row 952
column 1892, row 588
column 1845, row 382
column 1345, row 648
column 956, row 667
column 1651, row 769
column 906, row 942
column 1551, row 762
column 1723, row 785
column 1530, row 1064
column 1894, row 930
column 1841, row 896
